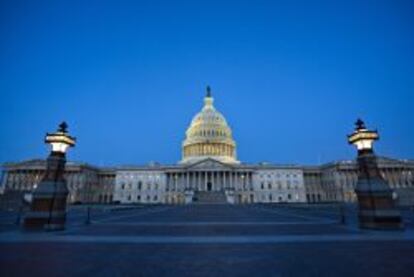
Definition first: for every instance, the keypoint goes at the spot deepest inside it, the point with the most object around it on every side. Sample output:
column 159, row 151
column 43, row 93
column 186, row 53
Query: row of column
column 209, row 180
column 209, row 149
column 21, row 180
column 398, row 176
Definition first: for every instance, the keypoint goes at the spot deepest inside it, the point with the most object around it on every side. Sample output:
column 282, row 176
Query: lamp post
column 376, row 207
column 48, row 207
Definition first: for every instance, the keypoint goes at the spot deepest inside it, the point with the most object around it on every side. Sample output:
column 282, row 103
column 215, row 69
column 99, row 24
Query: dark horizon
column 290, row 78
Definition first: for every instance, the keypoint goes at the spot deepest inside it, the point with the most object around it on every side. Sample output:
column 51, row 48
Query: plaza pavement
column 208, row 240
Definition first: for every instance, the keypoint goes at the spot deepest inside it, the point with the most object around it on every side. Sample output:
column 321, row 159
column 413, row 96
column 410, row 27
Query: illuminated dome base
column 217, row 151
column 209, row 136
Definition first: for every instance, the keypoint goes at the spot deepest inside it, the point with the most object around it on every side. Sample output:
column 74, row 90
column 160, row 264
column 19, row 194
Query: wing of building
column 209, row 172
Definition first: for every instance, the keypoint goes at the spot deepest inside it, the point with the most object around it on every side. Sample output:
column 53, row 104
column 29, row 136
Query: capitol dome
column 209, row 136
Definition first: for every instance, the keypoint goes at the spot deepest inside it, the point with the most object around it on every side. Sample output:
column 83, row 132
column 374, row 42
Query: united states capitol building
column 210, row 172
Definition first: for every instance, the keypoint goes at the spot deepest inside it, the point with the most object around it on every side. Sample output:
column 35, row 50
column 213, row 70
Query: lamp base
column 377, row 209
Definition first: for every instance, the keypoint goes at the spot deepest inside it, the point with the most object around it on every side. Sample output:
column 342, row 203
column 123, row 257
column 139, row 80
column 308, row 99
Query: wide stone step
column 210, row 197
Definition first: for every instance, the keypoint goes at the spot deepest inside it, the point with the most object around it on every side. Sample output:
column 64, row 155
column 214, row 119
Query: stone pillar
column 224, row 180
column 236, row 181
column 4, row 181
column 48, row 208
column 216, row 180
column 219, row 180
column 167, row 181
column 205, row 180
column 376, row 205
column 200, row 180
column 213, row 180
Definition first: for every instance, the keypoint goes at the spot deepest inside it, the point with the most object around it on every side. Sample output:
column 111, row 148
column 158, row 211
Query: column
column 178, row 186
column 4, row 181
column 182, row 181
column 200, row 179
column 235, row 180
column 168, row 182
column 220, row 180
column 176, row 181
column 213, row 180
column 223, row 185
column 205, row 180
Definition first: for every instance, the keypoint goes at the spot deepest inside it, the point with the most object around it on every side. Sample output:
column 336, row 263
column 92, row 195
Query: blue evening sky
column 291, row 77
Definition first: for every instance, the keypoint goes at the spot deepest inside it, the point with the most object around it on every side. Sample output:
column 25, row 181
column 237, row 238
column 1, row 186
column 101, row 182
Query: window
column 155, row 198
column 289, row 196
column 262, row 186
column 122, row 186
column 269, row 186
column 139, row 197
column 139, row 185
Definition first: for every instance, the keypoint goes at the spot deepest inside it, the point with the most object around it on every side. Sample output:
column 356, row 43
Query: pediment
column 209, row 163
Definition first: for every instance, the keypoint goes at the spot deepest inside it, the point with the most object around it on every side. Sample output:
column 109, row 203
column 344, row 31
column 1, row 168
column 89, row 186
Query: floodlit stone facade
column 210, row 172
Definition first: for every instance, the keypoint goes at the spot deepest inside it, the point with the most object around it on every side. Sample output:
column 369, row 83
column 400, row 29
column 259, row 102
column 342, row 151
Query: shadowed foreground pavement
column 209, row 240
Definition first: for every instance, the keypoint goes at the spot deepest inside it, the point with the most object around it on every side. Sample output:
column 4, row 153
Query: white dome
column 209, row 136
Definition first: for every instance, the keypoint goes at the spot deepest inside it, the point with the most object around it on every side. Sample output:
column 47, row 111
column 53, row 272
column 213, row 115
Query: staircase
column 210, row 197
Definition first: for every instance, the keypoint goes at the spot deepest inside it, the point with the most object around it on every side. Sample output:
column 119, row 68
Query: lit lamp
column 363, row 138
column 376, row 207
column 48, row 207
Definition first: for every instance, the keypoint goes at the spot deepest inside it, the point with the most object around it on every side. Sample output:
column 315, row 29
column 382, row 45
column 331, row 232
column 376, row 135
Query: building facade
column 86, row 183
column 209, row 171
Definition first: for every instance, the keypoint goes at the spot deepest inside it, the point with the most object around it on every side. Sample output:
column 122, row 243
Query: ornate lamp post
column 48, row 207
column 376, row 205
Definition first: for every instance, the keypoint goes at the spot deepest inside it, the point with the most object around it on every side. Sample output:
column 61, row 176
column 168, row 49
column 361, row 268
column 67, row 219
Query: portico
column 209, row 176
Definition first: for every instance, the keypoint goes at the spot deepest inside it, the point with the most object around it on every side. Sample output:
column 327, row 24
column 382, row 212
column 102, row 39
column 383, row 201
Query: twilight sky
column 291, row 77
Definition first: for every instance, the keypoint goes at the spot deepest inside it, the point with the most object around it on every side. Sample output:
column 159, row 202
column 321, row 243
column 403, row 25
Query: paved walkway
column 208, row 240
